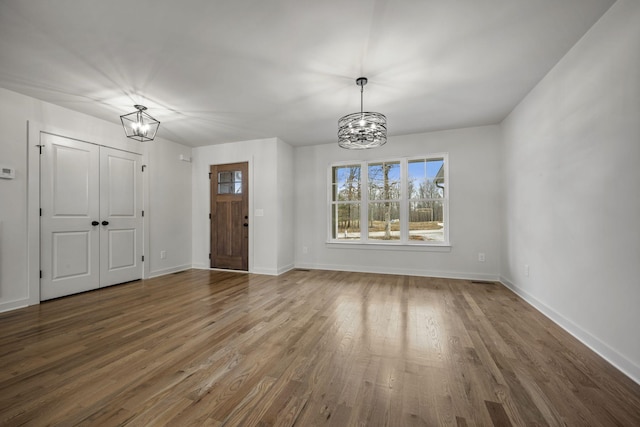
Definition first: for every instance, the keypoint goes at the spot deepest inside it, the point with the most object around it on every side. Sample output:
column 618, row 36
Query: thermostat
column 7, row 173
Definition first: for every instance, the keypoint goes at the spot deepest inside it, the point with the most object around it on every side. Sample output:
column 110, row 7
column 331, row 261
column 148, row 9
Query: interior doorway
column 230, row 216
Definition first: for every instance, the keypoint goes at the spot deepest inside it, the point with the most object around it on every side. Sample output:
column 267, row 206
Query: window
column 345, row 212
column 384, row 201
column 405, row 201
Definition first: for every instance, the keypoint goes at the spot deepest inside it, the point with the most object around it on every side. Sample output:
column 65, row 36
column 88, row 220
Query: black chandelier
column 140, row 125
column 357, row 131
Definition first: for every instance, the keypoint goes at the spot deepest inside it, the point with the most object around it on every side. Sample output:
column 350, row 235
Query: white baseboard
column 166, row 271
column 12, row 305
column 401, row 271
column 624, row 365
column 200, row 267
column 282, row 270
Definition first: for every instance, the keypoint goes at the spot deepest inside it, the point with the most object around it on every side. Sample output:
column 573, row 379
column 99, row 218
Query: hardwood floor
column 305, row 348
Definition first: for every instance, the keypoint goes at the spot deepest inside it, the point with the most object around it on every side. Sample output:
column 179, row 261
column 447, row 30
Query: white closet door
column 70, row 244
column 120, row 216
column 91, row 222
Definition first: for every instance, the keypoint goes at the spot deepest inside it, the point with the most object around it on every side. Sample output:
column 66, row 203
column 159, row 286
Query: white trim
column 400, row 271
column 33, row 212
column 265, row 271
column 228, row 270
column 620, row 362
column 383, row 246
column 282, row 270
column 13, row 305
column 200, row 267
column 170, row 270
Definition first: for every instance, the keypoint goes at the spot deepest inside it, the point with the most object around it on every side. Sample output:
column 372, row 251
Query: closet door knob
column 105, row 222
column 94, row 223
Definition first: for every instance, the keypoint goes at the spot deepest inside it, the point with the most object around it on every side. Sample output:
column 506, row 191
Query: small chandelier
column 140, row 125
column 362, row 130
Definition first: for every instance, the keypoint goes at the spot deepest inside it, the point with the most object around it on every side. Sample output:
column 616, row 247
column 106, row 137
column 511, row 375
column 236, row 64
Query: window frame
column 404, row 201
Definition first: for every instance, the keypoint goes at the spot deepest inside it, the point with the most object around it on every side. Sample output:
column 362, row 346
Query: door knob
column 105, row 222
column 245, row 224
column 94, row 223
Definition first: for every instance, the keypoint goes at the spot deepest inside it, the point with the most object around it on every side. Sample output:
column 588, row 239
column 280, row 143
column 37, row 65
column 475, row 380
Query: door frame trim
column 34, row 129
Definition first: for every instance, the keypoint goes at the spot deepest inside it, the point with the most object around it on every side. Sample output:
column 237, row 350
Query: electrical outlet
column 526, row 270
column 305, row 250
column 480, row 256
column 163, row 254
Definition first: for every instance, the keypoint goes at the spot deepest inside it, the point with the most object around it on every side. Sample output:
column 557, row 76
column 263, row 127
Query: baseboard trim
column 256, row 270
column 624, row 365
column 282, row 270
column 14, row 305
column 166, row 271
column 401, row 271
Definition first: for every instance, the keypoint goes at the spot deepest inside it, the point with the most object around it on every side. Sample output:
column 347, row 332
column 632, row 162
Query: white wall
column 286, row 221
column 15, row 110
column 474, row 182
column 266, row 241
column 572, row 193
column 169, row 207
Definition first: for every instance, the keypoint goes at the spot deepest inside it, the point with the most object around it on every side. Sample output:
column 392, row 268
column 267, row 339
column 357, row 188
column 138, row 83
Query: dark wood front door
column 230, row 216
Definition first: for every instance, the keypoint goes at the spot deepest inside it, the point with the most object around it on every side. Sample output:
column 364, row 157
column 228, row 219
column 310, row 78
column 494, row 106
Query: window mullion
column 404, row 216
column 364, row 199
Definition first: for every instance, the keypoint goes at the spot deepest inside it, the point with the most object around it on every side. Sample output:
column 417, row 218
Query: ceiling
column 231, row 70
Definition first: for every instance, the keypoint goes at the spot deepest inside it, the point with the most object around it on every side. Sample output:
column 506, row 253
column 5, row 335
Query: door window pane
column 230, row 182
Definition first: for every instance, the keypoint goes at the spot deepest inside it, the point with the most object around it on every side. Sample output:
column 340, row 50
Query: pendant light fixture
column 140, row 125
column 362, row 130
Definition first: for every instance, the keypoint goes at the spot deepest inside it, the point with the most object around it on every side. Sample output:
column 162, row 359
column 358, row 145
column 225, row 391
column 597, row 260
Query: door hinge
column 143, row 167
column 41, row 274
column 209, row 216
column 142, row 258
column 209, row 175
column 40, row 147
column 209, row 256
column 40, row 211
column 142, row 213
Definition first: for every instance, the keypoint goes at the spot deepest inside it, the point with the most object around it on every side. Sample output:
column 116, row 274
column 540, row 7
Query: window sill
column 442, row 247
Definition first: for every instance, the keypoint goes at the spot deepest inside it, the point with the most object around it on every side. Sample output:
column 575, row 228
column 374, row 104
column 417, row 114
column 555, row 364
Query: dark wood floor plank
column 301, row 349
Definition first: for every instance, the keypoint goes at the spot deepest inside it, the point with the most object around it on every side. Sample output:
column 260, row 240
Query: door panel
column 69, row 242
column 120, row 208
column 122, row 245
column 229, row 216
column 71, row 254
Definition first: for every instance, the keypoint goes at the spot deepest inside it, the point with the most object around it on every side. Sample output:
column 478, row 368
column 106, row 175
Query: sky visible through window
column 421, row 169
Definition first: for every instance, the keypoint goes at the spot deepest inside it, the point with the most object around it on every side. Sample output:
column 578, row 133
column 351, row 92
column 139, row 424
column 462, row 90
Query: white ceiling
column 231, row 70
